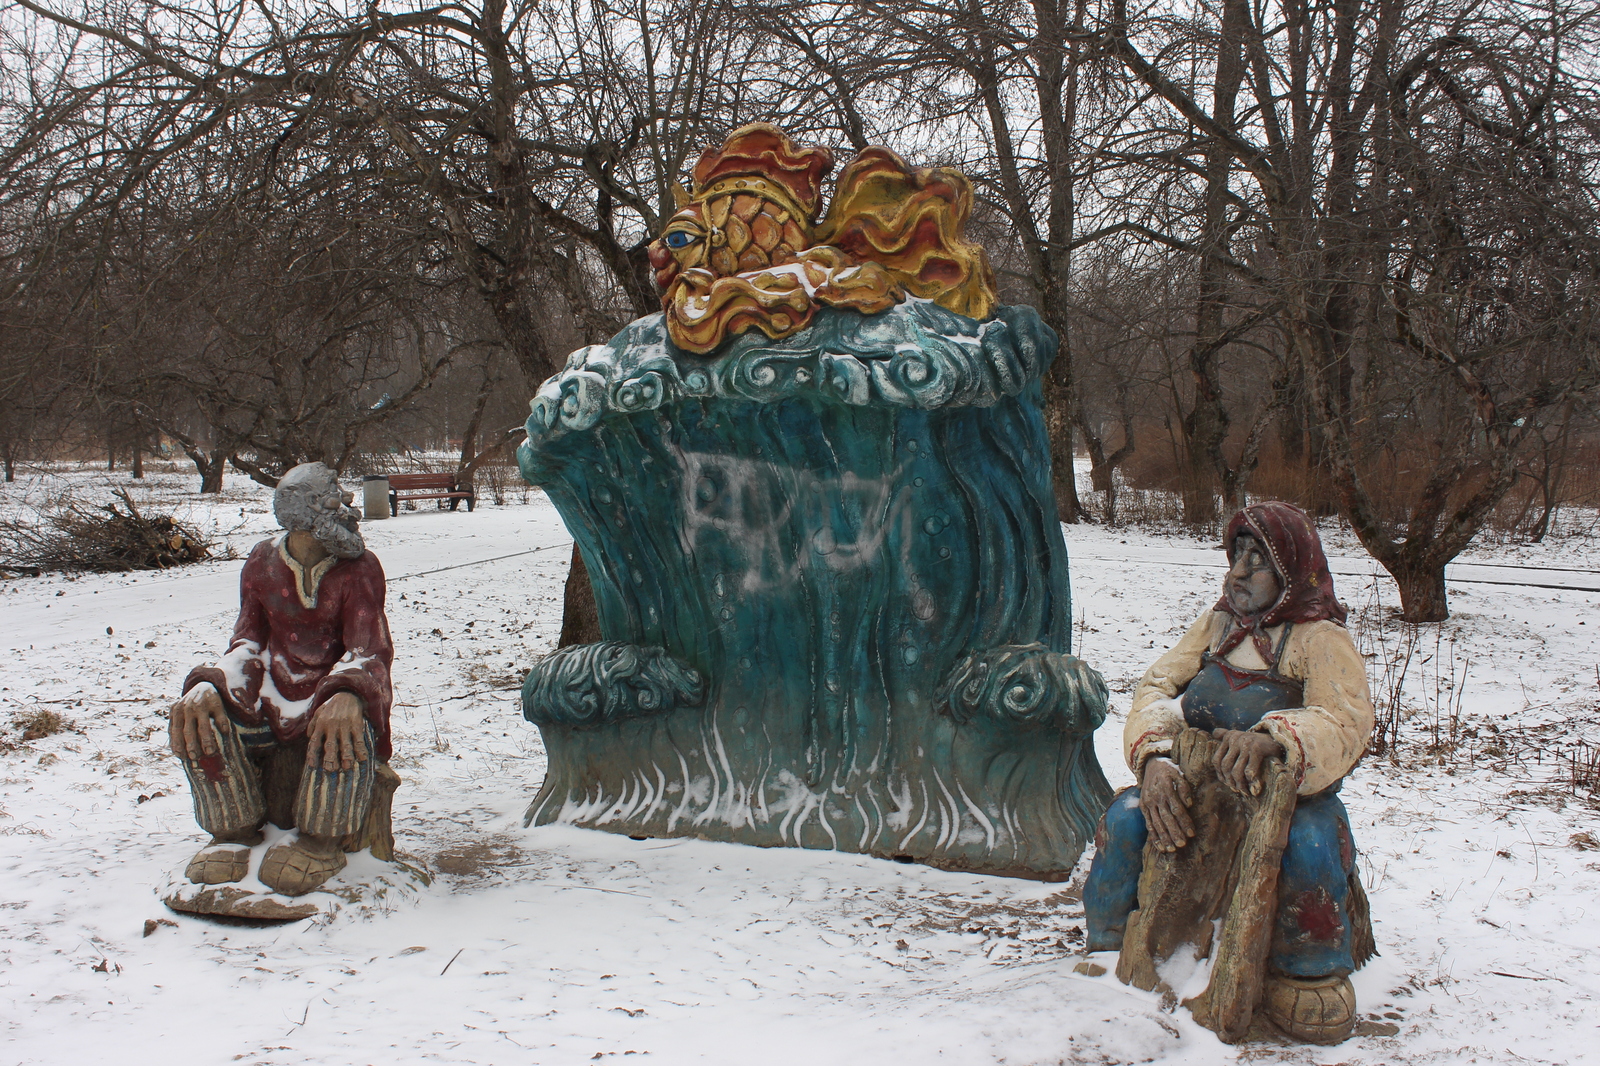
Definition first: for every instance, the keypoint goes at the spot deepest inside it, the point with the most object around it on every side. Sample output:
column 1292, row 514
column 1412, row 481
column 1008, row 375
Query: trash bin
column 375, row 496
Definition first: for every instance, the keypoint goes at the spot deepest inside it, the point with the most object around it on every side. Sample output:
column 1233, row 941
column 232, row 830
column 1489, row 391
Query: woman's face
column 1252, row 584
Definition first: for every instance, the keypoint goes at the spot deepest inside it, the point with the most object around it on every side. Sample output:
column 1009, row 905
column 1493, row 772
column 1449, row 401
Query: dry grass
column 1419, row 677
column 36, row 723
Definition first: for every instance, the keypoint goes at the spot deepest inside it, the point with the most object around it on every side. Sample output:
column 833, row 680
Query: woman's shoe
column 1316, row 1010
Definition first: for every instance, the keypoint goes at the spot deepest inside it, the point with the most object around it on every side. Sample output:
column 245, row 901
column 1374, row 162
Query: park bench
column 439, row 487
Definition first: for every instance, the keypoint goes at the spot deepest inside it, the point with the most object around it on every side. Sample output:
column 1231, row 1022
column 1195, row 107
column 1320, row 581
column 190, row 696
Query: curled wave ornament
column 1028, row 684
column 593, row 684
column 582, row 399
column 915, row 354
column 644, row 391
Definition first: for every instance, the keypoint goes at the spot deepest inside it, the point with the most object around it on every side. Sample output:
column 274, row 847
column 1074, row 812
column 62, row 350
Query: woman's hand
column 1240, row 757
column 1164, row 797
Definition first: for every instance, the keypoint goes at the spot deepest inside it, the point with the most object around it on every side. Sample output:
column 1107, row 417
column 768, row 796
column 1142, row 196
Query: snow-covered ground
column 557, row 945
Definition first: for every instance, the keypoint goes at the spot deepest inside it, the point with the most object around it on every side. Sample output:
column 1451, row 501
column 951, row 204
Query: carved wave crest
column 593, row 684
column 1028, row 684
column 916, row 354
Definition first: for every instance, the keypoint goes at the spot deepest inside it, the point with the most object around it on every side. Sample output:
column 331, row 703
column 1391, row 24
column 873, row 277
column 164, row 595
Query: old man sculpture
column 291, row 726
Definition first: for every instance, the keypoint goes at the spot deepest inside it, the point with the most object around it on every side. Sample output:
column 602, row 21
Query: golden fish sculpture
column 745, row 250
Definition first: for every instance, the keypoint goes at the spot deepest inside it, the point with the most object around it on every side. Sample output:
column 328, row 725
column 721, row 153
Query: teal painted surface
column 837, row 562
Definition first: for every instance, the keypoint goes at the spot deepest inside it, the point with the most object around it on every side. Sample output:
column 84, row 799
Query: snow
column 559, row 945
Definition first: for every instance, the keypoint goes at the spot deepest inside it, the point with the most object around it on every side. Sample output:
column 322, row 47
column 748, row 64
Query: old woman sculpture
column 1271, row 674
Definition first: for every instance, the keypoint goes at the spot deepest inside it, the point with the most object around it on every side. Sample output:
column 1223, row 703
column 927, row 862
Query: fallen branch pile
column 105, row 539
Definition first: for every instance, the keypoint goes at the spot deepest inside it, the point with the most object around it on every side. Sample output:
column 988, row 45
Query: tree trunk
column 1058, row 424
column 1205, row 428
column 1422, row 592
column 209, row 464
column 1290, row 395
column 1542, row 528
column 580, row 619
column 1194, row 481
column 138, row 459
column 211, row 468
column 471, row 458
column 1103, row 467
column 1099, row 474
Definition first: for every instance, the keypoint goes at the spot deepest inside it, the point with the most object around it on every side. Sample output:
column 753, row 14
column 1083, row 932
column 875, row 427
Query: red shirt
column 290, row 652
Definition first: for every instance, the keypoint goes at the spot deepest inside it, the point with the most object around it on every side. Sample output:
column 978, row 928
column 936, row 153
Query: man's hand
column 1164, row 798
column 189, row 723
column 337, row 733
column 1240, row 757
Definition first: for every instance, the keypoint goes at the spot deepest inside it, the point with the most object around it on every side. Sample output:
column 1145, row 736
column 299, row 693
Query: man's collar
column 306, row 582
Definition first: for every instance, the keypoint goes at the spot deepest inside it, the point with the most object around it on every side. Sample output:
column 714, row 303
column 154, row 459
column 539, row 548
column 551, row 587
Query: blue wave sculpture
column 833, row 590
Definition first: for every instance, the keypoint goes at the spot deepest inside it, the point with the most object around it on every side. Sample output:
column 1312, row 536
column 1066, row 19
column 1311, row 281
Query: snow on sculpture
column 814, row 499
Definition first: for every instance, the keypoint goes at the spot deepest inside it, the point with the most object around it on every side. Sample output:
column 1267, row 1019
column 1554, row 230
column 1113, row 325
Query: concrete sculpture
column 290, row 729
column 814, row 500
column 1241, row 736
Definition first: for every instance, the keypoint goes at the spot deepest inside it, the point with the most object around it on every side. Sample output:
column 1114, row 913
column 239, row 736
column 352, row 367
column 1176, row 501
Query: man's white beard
column 337, row 531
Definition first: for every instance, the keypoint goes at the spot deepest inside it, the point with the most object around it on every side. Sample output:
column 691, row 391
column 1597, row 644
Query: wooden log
column 1239, row 970
column 1228, row 872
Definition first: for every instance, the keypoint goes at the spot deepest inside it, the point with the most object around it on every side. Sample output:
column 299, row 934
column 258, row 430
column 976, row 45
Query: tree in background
column 1418, row 197
column 1366, row 225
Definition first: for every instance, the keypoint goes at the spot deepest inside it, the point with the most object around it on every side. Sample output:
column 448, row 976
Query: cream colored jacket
column 1322, row 740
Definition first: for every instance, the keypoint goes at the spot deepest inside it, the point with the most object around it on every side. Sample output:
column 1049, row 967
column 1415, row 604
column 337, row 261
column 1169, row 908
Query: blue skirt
column 1313, row 934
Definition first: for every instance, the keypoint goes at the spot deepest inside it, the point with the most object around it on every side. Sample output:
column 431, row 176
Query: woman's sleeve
column 1324, row 739
column 1156, row 718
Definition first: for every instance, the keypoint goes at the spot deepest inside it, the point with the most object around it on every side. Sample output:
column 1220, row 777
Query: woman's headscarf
column 1291, row 542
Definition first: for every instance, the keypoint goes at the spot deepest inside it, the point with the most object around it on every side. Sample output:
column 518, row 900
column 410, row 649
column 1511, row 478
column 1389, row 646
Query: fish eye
column 679, row 239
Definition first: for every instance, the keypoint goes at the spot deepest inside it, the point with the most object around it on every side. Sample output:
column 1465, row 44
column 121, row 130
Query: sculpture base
column 369, row 884
column 234, row 901
column 987, row 808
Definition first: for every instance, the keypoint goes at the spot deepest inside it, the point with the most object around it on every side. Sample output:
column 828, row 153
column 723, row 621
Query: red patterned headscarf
column 1290, row 540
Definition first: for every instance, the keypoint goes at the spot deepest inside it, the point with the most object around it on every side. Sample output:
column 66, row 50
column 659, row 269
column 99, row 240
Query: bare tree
column 1008, row 91
column 1369, row 120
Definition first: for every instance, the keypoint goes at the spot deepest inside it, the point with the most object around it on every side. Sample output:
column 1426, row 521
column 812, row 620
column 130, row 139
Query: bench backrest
column 422, row 481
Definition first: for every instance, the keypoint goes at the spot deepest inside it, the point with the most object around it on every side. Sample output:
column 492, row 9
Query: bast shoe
column 301, row 867
column 219, row 863
column 1315, row 1010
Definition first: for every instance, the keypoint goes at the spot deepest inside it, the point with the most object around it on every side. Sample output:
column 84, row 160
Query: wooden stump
column 1229, row 871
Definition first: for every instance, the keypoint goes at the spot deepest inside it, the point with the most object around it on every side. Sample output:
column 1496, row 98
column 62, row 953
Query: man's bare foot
column 301, row 867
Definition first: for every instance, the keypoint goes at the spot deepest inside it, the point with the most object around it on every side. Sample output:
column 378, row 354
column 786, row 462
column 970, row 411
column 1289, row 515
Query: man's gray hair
column 293, row 504
column 303, row 502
